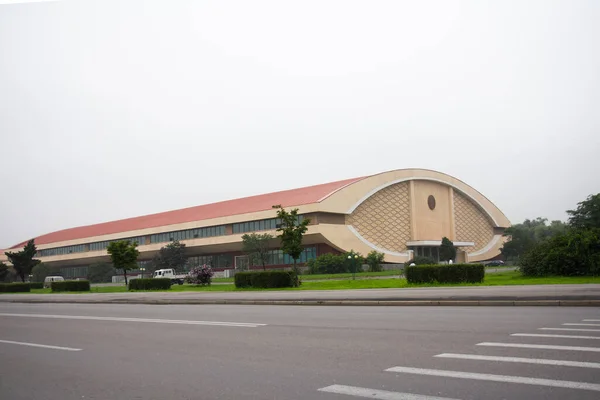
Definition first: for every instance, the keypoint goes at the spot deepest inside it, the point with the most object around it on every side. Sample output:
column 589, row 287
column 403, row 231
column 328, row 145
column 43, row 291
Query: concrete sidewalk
column 575, row 295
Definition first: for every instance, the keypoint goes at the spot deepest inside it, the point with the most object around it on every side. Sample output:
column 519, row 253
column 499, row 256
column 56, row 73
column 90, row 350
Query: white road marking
column 497, row 378
column 569, row 329
column 582, row 324
column 521, row 360
column 540, row 346
column 45, row 346
column 156, row 321
column 555, row 336
column 377, row 394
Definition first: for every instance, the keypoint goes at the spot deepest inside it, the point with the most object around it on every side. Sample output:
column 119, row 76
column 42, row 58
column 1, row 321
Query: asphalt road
column 276, row 352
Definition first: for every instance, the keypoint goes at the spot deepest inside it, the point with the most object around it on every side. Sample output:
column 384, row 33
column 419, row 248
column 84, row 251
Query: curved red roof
column 287, row 198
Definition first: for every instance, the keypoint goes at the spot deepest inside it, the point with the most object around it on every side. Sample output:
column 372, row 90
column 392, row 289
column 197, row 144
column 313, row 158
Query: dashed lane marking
column 540, row 346
column 156, row 321
column 497, row 378
column 539, row 361
column 556, row 336
column 377, row 394
column 570, row 329
column 45, row 346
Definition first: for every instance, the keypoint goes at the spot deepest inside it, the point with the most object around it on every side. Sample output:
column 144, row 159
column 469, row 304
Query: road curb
column 397, row 303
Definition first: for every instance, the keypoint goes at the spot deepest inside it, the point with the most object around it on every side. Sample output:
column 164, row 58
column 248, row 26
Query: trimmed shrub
column 150, row 284
column 14, row 287
column 451, row 273
column 266, row 279
column 70, row 286
column 200, row 275
column 243, row 279
column 36, row 285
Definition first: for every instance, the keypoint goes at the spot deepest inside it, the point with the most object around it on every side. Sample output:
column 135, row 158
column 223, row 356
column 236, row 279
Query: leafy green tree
column 447, row 250
column 292, row 231
column 172, row 255
column 23, row 260
column 374, row 260
column 40, row 272
column 124, row 255
column 4, row 271
column 256, row 245
column 587, row 214
column 101, row 273
column 526, row 235
column 575, row 252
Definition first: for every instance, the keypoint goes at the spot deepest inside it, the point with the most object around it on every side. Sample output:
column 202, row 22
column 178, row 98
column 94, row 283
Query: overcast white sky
column 113, row 109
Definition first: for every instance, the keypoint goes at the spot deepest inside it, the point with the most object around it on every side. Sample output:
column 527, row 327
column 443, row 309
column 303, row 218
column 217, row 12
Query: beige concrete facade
column 389, row 212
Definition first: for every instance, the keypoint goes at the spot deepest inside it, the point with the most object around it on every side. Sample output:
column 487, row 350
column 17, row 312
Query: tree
column 172, row 255
column 292, row 231
column 23, row 260
column 101, row 273
column 257, row 247
column 124, row 255
column 447, row 250
column 4, row 271
column 587, row 214
column 40, row 272
column 374, row 260
column 524, row 236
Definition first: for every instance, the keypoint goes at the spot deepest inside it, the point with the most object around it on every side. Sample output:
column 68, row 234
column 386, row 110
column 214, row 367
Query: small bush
column 422, row 260
column 266, row 279
column 451, row 273
column 328, row 264
column 36, row 285
column 14, row 287
column 70, row 286
column 150, row 284
column 200, row 275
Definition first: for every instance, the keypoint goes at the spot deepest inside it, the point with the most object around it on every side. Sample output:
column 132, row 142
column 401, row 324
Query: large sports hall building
column 400, row 213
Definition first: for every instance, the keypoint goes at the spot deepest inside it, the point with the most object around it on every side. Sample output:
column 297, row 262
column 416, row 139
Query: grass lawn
column 316, row 277
column 496, row 279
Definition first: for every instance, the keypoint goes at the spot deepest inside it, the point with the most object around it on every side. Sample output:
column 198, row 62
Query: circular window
column 431, row 202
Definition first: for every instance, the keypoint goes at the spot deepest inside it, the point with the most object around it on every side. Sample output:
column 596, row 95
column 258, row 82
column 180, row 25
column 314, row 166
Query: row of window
column 140, row 240
column 224, row 261
column 188, row 234
column 74, row 272
column 59, row 251
column 243, row 227
column 260, row 225
column 277, row 257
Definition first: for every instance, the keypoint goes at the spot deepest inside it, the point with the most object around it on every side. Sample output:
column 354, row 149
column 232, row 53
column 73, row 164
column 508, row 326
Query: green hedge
column 150, row 284
column 70, row 286
column 446, row 273
column 14, row 287
column 36, row 285
column 266, row 279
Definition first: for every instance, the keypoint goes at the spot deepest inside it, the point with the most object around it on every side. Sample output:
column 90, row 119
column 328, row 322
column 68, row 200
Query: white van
column 49, row 279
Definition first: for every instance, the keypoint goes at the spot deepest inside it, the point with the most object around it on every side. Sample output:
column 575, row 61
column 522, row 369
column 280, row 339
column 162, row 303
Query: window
column 58, row 251
column 259, row 225
column 188, row 234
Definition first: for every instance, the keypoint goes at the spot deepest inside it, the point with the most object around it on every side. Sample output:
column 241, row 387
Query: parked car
column 49, row 279
column 495, row 263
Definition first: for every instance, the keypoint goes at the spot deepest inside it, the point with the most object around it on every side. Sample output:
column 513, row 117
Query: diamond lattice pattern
column 472, row 224
column 384, row 218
